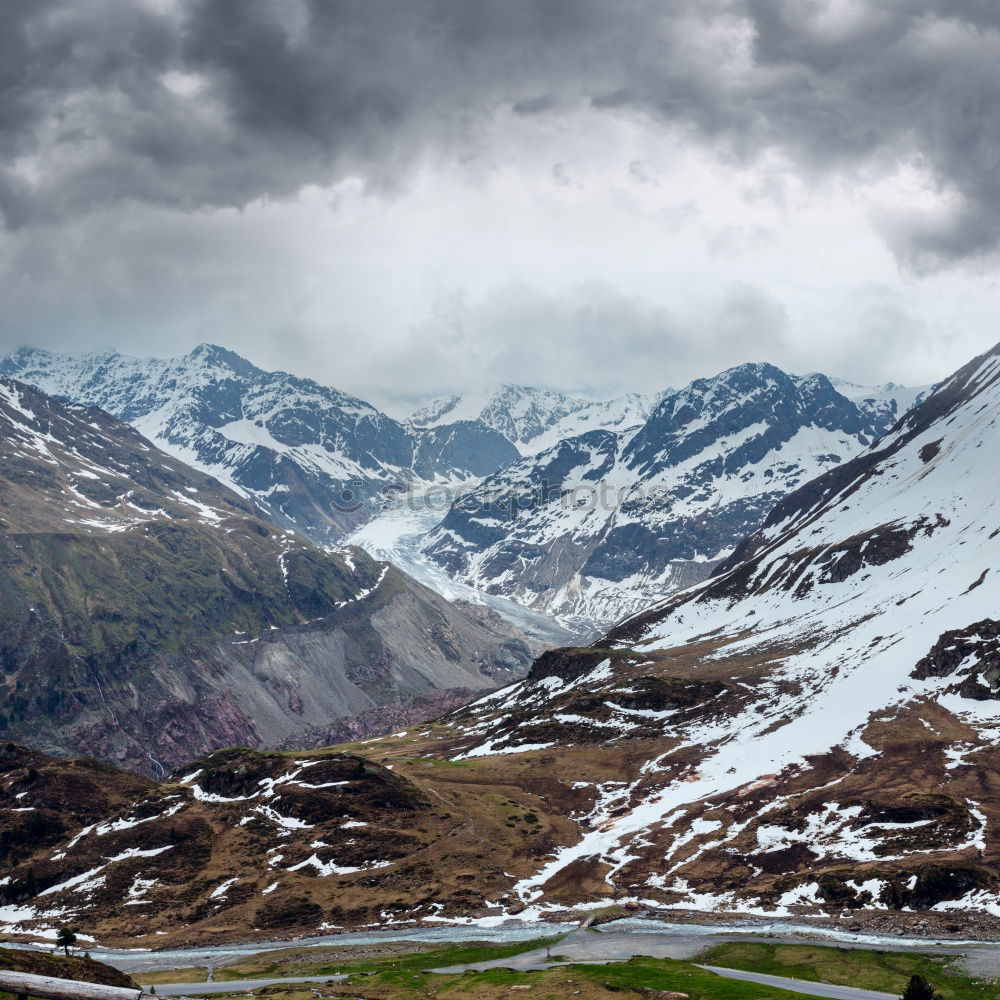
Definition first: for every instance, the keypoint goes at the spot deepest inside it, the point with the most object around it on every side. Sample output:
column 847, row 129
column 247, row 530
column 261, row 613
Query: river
column 631, row 936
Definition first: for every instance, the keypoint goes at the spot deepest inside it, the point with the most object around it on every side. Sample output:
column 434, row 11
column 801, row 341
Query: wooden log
column 24, row 984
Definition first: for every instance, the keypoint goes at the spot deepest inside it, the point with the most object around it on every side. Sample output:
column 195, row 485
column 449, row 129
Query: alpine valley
column 810, row 730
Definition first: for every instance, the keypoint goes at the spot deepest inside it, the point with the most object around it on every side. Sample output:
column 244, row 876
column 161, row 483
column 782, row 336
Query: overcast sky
column 410, row 197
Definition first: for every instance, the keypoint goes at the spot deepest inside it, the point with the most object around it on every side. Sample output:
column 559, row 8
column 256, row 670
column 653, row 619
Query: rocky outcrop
column 567, row 663
column 971, row 656
column 151, row 615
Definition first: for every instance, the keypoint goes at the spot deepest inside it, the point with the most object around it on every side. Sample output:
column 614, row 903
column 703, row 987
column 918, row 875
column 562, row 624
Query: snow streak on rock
column 601, row 524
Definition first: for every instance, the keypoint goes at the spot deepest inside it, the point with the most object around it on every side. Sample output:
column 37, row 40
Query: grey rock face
column 149, row 614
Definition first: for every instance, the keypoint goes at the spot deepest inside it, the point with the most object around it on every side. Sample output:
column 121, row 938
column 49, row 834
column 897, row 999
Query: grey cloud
column 293, row 93
column 532, row 106
column 307, row 91
column 587, row 338
column 911, row 82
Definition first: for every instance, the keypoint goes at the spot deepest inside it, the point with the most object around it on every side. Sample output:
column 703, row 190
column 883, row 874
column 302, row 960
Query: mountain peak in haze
column 535, row 417
column 212, row 354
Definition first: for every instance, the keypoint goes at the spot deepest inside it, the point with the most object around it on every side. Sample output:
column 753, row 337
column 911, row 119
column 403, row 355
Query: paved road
column 801, row 985
column 233, row 985
column 582, row 946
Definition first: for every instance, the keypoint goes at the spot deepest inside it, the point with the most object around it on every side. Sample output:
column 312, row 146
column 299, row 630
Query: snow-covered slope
column 75, row 469
column 313, row 458
column 618, row 415
column 820, row 720
column 534, row 418
column 601, row 524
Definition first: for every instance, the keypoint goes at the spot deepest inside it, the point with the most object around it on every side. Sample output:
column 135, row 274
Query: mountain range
column 810, row 731
column 312, row 458
column 151, row 614
column 582, row 511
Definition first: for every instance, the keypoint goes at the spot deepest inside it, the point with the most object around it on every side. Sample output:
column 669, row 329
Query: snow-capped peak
column 315, row 458
column 601, row 522
column 534, row 418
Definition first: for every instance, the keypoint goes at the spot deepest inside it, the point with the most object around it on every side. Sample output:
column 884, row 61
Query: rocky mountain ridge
column 602, row 524
column 150, row 614
column 314, row 459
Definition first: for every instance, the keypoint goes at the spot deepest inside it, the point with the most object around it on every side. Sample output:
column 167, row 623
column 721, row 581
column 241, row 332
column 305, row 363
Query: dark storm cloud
column 210, row 103
column 906, row 81
column 265, row 96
